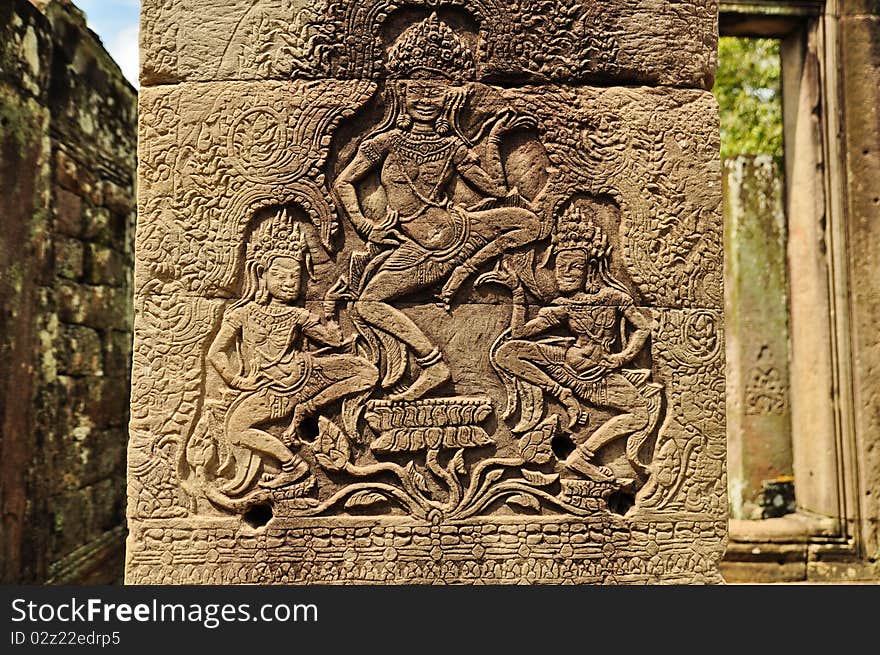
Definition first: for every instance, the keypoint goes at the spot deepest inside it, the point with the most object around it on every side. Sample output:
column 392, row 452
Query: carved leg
column 622, row 395
column 374, row 309
column 373, row 306
column 579, row 461
column 434, row 373
column 348, row 374
column 524, row 228
column 241, row 431
column 518, row 358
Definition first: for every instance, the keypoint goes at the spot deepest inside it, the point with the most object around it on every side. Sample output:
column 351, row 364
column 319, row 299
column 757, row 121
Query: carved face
column 425, row 101
column 284, row 279
column 571, row 270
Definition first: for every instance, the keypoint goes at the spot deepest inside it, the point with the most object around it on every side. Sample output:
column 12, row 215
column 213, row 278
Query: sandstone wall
column 860, row 70
column 756, row 332
column 522, row 134
column 67, row 160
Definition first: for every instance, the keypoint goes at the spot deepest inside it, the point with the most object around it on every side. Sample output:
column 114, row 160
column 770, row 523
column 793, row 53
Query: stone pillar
column 427, row 292
column 860, row 72
column 756, row 328
column 67, row 159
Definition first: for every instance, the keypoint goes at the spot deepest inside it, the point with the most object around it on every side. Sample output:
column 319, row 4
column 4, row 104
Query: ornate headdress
column 430, row 49
column 279, row 235
column 577, row 231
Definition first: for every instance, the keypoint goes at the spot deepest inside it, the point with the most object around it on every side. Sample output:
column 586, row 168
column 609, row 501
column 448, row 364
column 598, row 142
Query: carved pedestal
column 417, row 301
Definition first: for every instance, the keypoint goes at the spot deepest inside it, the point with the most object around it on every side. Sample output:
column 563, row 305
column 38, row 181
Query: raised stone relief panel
column 633, row 41
column 409, row 326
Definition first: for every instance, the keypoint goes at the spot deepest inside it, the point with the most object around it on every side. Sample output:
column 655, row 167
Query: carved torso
column 594, row 319
column 271, row 338
column 416, row 174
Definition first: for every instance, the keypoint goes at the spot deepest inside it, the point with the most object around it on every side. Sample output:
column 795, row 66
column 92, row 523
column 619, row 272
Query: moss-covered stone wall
column 67, row 160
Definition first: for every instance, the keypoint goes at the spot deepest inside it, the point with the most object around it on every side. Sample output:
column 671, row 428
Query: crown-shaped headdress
column 577, row 231
column 279, row 235
column 430, row 49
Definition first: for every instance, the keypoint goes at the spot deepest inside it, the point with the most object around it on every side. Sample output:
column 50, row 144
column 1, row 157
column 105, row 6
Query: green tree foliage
column 749, row 91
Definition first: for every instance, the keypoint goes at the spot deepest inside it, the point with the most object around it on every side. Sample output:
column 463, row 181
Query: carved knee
column 641, row 414
column 528, row 220
column 366, row 309
column 507, row 356
column 240, row 422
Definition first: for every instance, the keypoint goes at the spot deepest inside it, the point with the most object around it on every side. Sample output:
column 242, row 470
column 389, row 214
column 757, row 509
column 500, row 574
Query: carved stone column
column 428, row 292
column 758, row 402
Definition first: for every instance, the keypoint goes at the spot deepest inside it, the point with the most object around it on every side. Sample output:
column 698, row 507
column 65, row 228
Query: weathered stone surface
column 756, row 286
column 640, row 41
column 586, row 141
column 66, row 201
column 859, row 8
column 407, row 326
column 25, row 49
column 78, row 351
column 25, row 252
column 861, row 62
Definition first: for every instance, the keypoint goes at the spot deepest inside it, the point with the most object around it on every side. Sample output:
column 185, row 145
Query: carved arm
column 637, row 339
column 217, row 354
column 547, row 318
column 345, row 192
column 327, row 332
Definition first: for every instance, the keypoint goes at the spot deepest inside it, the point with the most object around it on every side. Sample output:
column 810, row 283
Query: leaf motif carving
column 458, row 462
column 539, row 479
column 524, row 501
column 365, row 498
column 493, row 476
column 325, row 462
column 332, row 450
column 535, row 444
column 416, row 477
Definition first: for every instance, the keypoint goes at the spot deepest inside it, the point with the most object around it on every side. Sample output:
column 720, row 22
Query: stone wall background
column 67, row 161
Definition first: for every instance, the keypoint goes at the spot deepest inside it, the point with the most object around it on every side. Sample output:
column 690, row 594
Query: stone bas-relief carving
column 583, row 368
column 538, row 40
column 425, row 329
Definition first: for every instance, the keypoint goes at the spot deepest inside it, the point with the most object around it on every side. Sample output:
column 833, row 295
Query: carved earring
column 442, row 126
column 262, row 287
column 404, row 122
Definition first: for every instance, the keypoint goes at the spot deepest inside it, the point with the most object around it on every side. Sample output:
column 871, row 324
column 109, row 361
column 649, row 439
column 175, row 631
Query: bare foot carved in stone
column 429, row 379
column 576, row 462
column 288, row 475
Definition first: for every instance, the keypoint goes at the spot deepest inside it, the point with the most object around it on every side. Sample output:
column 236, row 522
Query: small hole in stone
column 562, row 446
column 258, row 515
column 619, row 502
column 308, row 429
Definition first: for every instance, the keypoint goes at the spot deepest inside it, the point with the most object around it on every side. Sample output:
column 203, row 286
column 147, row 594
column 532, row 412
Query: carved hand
column 384, row 232
column 339, row 291
column 504, row 275
column 613, row 360
column 509, row 120
column 246, row 382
